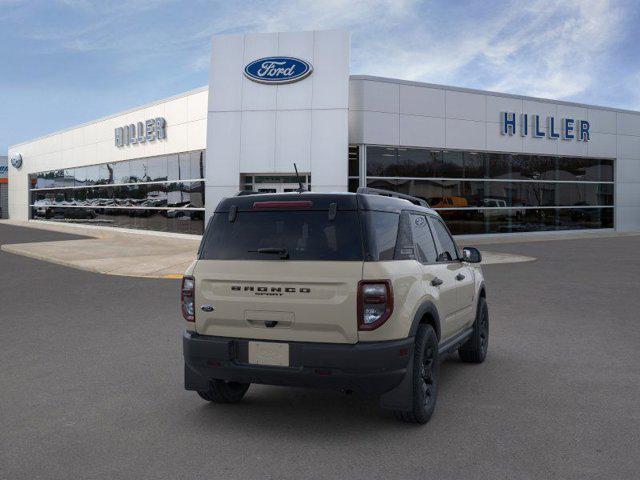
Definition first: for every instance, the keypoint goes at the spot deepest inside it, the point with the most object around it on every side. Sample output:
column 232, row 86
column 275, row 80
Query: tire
column 224, row 392
column 475, row 349
column 425, row 377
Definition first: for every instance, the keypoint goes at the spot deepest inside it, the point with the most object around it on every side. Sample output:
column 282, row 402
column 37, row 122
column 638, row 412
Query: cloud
column 561, row 46
column 546, row 49
column 540, row 48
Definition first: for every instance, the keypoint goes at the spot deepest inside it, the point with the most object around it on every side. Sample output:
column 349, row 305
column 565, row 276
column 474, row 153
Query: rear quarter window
column 382, row 233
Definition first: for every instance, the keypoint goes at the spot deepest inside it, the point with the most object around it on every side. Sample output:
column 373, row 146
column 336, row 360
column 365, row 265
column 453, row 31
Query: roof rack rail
column 389, row 193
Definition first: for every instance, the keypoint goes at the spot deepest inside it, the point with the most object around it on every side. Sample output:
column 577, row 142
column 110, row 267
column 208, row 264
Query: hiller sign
column 147, row 131
column 525, row 124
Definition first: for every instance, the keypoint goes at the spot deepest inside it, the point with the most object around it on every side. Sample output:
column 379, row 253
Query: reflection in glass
column 121, row 172
column 197, row 165
column 105, row 174
column 92, row 175
column 442, row 193
column 80, row 176
column 179, row 222
column 421, row 163
column 138, row 171
column 173, row 167
column 190, row 165
column 157, row 169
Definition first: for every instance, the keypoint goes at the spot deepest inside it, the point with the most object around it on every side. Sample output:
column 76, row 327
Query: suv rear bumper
column 370, row 368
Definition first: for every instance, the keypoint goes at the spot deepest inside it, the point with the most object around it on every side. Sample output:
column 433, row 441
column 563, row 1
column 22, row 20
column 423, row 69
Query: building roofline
column 351, row 77
column 488, row 92
column 117, row 114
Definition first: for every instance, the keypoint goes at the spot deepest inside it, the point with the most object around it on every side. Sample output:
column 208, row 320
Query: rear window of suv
column 303, row 234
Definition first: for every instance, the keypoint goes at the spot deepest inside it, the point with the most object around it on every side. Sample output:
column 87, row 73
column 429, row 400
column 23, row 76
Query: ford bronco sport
column 361, row 292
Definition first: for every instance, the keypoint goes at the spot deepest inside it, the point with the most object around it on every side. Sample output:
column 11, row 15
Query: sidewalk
column 111, row 251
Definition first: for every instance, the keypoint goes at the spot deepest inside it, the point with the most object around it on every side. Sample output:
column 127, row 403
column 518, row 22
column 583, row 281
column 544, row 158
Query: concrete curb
column 97, row 231
column 494, row 258
column 16, row 250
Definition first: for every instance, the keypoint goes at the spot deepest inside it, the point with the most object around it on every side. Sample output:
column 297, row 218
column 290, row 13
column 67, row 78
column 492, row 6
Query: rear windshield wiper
column 283, row 252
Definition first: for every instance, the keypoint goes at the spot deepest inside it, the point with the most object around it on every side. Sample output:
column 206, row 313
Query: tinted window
column 158, row 169
column 354, row 161
column 185, row 167
column 423, row 240
column 106, row 173
column 446, row 246
column 196, row 165
column 382, row 228
column 138, row 171
column 306, row 235
column 173, row 167
column 121, row 172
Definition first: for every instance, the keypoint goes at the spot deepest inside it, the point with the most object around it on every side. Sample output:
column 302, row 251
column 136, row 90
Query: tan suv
column 361, row 292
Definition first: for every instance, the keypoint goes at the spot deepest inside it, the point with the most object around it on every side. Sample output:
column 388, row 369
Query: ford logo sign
column 16, row 160
column 278, row 70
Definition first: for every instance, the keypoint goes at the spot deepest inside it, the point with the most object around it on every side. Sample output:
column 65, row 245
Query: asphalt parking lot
column 91, row 384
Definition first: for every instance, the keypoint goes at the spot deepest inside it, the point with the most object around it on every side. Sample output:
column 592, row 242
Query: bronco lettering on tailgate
column 263, row 290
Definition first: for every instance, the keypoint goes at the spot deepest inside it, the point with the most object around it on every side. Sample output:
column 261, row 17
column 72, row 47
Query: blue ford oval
column 278, row 70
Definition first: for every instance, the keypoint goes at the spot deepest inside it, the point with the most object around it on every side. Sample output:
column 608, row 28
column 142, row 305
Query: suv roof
column 321, row 201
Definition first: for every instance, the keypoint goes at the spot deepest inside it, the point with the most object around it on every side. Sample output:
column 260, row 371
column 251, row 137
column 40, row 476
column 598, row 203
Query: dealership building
column 488, row 162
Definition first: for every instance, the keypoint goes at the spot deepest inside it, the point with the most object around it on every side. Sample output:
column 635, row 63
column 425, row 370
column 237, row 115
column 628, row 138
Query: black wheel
column 425, row 377
column 224, row 392
column 475, row 349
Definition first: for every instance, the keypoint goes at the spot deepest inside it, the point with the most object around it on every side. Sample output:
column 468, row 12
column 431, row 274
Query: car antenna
column 301, row 189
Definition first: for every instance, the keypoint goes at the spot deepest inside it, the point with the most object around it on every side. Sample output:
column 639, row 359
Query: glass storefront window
column 132, row 193
column 354, row 161
column 105, row 174
column 475, row 165
column 158, row 169
column 527, row 220
column 442, row 193
column 499, row 192
column 173, row 167
column 138, row 171
column 452, row 165
column 121, row 172
column 425, row 163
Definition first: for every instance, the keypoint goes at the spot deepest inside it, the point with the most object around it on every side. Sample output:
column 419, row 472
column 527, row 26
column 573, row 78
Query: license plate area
column 268, row 353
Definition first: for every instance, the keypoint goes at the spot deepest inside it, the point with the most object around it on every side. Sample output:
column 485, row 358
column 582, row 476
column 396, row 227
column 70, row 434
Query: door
column 274, row 183
column 439, row 279
column 463, row 280
column 277, row 187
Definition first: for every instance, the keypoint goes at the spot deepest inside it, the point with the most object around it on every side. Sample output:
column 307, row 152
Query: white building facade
column 489, row 162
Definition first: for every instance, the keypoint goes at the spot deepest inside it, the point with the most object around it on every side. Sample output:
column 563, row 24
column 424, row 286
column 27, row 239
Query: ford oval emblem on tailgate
column 278, row 70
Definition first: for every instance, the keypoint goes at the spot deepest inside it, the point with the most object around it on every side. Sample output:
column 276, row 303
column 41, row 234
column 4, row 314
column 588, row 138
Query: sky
column 66, row 62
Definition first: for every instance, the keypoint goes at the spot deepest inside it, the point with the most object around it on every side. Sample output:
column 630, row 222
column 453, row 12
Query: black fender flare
column 482, row 289
column 400, row 398
column 482, row 293
column 427, row 307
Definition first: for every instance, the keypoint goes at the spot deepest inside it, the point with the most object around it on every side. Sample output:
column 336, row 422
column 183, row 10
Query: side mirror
column 471, row 255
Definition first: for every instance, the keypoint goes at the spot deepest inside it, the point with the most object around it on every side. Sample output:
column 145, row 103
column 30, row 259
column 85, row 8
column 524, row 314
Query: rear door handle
column 436, row 282
column 460, row 277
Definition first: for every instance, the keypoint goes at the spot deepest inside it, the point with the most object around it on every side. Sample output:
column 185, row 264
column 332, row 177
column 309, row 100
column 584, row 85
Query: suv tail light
column 187, row 299
column 375, row 303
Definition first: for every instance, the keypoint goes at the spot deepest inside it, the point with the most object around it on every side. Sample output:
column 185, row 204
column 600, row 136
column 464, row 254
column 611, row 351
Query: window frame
column 439, row 248
column 415, row 243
